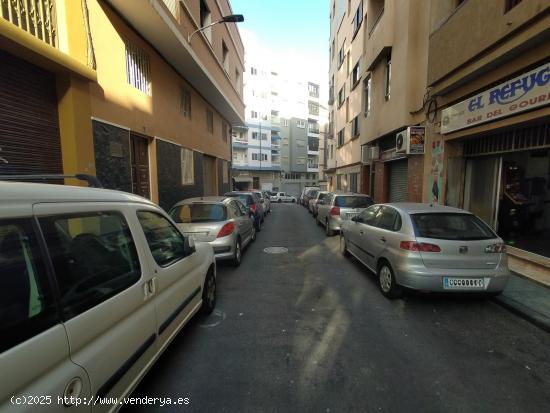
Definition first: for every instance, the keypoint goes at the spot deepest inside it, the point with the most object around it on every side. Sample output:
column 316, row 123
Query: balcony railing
column 36, row 17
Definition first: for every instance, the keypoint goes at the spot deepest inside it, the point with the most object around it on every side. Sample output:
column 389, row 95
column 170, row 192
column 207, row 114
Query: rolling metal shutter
column 398, row 181
column 29, row 124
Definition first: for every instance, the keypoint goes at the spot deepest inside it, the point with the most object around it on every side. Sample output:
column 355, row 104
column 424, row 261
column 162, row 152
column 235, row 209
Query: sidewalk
column 528, row 299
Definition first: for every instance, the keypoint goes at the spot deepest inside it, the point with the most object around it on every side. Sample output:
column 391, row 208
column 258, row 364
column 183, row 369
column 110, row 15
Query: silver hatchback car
column 428, row 248
column 336, row 206
column 223, row 222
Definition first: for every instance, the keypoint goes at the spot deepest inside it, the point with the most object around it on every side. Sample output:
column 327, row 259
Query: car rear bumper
column 224, row 248
column 433, row 279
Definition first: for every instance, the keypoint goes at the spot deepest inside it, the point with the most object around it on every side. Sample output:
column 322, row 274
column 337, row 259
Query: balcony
column 36, row 17
column 312, row 167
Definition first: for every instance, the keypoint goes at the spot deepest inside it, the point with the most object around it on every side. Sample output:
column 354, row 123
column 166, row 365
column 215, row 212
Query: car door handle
column 150, row 288
column 383, row 239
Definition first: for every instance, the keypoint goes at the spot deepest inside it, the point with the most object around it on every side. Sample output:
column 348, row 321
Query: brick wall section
column 381, row 182
column 415, row 174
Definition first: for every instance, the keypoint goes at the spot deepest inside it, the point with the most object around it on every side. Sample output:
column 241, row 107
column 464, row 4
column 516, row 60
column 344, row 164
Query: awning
column 242, row 178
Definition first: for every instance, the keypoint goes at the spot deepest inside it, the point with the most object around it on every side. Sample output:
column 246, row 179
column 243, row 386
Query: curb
column 528, row 314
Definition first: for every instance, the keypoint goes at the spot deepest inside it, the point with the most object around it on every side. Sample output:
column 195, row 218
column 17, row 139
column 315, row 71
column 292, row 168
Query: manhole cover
column 275, row 250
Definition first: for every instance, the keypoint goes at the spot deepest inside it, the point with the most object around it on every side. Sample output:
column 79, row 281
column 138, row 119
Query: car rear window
column 322, row 196
column 313, row 194
column 451, row 226
column 353, row 201
column 191, row 213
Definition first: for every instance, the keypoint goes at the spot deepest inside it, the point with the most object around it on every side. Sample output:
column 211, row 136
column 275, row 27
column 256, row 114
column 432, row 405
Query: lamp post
column 232, row 18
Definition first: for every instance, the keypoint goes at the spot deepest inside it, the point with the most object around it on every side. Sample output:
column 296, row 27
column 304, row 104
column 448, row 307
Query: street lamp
column 232, row 18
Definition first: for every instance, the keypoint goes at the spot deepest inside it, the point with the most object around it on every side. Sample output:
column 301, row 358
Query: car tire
column 238, row 255
column 209, row 294
column 328, row 231
column 343, row 246
column 387, row 283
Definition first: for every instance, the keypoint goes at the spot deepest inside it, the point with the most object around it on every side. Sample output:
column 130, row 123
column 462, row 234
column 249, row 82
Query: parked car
column 307, row 188
column 336, row 206
column 426, row 247
column 223, row 222
column 252, row 201
column 264, row 201
column 94, row 286
column 314, row 201
column 283, row 197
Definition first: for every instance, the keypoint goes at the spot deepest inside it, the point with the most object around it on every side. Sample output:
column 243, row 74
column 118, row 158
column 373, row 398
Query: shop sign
column 525, row 92
column 417, row 135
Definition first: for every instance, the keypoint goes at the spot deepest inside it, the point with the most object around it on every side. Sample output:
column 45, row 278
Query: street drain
column 275, row 250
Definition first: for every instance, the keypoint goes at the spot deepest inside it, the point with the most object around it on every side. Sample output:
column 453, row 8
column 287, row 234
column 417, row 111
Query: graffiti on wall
column 436, row 173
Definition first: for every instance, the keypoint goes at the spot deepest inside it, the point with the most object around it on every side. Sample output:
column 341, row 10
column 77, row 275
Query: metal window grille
column 185, row 106
column 137, row 68
column 36, row 17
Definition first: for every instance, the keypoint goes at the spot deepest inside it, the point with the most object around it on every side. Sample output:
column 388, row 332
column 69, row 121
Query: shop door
column 481, row 186
column 210, row 172
column 29, row 124
column 140, row 165
column 398, row 181
column 365, row 180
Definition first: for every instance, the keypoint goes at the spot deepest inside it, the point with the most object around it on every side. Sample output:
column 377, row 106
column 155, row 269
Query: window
column 253, row 114
column 166, row 243
column 300, row 124
column 332, row 50
column 26, row 302
column 355, row 75
column 226, row 131
column 355, row 127
column 225, row 56
column 238, row 80
column 313, row 127
column 341, row 56
column 185, row 103
column 313, row 108
column 358, row 18
column 386, row 218
column 94, row 258
column 353, row 201
column 187, row 167
column 366, row 95
column 209, row 121
column 254, row 135
column 264, row 136
column 510, row 4
column 451, row 226
column 137, row 68
column 205, row 20
column 257, row 156
column 253, row 71
column 387, row 88
column 368, row 216
column 285, row 122
column 341, row 137
column 353, row 182
column 339, row 182
column 313, row 90
column 348, row 63
column 342, row 95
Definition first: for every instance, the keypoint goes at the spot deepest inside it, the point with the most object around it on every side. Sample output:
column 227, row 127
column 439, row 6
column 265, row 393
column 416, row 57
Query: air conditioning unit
column 411, row 140
column 369, row 154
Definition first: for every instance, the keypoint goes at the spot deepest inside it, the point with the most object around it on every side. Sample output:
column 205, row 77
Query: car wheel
column 238, row 254
column 343, row 246
column 253, row 235
column 328, row 231
column 209, row 294
column 386, row 281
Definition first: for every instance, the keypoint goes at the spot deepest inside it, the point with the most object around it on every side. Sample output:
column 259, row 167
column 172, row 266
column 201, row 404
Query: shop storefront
column 506, row 171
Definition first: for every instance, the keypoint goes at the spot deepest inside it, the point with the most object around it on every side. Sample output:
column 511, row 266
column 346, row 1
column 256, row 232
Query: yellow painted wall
column 158, row 115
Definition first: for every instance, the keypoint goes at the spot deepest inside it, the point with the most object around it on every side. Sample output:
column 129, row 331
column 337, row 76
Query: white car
column 282, row 197
column 95, row 285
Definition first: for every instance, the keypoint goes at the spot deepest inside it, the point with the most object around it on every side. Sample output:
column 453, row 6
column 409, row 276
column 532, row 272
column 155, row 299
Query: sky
column 297, row 31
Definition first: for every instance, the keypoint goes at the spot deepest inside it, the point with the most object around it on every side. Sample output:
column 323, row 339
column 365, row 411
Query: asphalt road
column 309, row 331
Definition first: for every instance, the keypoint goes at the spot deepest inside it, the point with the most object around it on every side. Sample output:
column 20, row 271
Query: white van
column 94, row 284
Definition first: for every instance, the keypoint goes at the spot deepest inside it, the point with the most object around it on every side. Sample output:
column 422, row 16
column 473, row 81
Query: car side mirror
column 189, row 245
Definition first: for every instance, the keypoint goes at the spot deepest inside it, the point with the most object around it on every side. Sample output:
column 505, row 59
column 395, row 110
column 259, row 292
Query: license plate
column 450, row 283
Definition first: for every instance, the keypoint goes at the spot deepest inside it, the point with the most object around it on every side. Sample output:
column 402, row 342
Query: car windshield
column 451, row 226
column 199, row 212
column 353, row 201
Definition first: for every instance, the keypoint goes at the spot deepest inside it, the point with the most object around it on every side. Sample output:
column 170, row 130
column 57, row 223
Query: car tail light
column 497, row 248
column 253, row 208
column 335, row 211
column 226, row 230
column 419, row 246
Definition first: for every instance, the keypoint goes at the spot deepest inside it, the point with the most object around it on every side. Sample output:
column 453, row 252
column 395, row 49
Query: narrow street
column 308, row 330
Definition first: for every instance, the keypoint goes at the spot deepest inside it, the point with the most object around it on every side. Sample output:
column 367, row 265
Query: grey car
column 223, row 222
column 428, row 248
column 313, row 202
column 336, row 206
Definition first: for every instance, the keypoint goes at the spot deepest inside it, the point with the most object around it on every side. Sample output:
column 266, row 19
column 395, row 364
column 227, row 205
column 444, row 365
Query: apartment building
column 489, row 116
column 121, row 90
column 279, row 147
column 379, row 54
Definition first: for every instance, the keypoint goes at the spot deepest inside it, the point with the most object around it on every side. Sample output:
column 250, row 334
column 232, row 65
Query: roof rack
column 93, row 182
